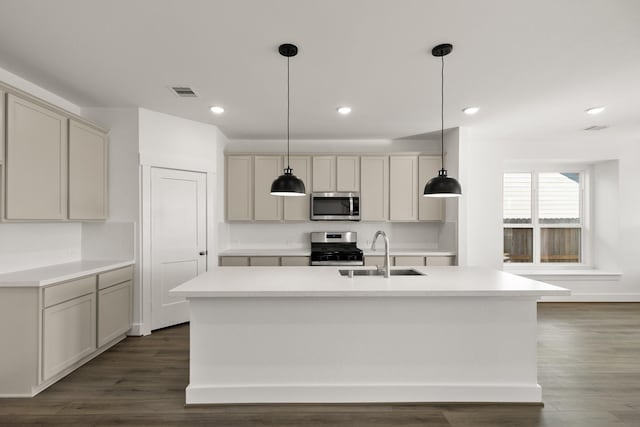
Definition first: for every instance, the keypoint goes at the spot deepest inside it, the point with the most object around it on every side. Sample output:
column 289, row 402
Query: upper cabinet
column 324, row 173
column 297, row 208
column 429, row 208
column 87, row 172
column 56, row 166
column 403, row 188
column 266, row 207
column 348, row 173
column 36, row 163
column 239, row 188
column 374, row 191
column 336, row 173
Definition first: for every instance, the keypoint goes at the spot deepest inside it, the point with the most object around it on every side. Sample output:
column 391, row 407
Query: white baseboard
column 359, row 393
column 136, row 330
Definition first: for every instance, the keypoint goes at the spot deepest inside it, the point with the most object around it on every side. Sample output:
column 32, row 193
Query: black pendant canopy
column 288, row 184
column 442, row 185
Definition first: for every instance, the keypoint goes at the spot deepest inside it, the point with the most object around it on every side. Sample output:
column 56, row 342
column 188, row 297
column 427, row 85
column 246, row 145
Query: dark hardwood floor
column 589, row 368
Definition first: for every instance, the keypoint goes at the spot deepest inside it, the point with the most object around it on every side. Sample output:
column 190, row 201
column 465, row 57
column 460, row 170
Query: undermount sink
column 370, row 272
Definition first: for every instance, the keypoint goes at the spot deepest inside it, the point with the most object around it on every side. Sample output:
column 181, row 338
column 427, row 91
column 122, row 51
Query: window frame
column 585, row 208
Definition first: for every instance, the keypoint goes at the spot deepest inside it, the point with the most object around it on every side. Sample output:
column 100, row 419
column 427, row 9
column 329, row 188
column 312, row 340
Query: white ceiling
column 532, row 67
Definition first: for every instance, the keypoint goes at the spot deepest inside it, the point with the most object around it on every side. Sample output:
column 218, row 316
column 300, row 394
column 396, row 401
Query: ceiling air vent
column 184, row 91
column 596, row 127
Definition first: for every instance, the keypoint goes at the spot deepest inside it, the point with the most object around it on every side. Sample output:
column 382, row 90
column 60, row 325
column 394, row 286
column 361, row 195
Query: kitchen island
column 308, row 334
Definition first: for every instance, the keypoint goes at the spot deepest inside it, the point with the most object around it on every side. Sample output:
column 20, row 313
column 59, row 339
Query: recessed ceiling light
column 594, row 110
column 216, row 109
column 344, row 110
column 470, row 110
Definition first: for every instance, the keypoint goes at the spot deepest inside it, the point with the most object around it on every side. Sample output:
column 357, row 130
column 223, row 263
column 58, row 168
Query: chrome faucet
column 384, row 269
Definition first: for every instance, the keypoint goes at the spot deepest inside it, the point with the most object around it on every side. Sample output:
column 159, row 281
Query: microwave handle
column 351, row 206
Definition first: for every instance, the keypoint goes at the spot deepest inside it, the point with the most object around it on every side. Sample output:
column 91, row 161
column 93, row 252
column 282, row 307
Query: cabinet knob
column 204, row 253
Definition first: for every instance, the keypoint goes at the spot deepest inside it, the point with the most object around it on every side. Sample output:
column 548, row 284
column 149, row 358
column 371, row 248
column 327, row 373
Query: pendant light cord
column 442, row 113
column 288, row 109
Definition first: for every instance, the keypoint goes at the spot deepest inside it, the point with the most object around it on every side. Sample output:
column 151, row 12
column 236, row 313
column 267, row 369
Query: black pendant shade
column 288, row 184
column 442, row 185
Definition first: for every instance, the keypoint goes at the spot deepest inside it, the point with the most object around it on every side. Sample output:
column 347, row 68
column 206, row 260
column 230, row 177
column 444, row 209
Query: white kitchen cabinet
column 403, row 188
column 265, row 206
column 234, row 261
column 374, row 188
column 297, row 208
column 295, row 261
column 348, row 173
column 408, row 261
column 429, row 208
column 68, row 333
column 88, row 155
column 440, row 261
column 239, row 188
column 36, row 162
column 324, row 173
column 2, row 101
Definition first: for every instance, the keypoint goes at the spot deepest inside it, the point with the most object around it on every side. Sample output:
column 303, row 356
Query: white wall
column 616, row 220
column 172, row 142
column 32, row 245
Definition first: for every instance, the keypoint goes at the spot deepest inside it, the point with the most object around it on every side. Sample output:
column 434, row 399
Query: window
column 543, row 217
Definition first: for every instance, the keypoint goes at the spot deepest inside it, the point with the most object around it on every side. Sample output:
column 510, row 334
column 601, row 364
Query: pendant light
column 288, row 184
column 442, row 185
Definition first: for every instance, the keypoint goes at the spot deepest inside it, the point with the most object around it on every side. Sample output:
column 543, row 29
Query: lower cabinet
column 443, row 261
column 60, row 327
column 68, row 333
column 407, row 261
column 269, row 261
column 114, row 312
column 410, row 261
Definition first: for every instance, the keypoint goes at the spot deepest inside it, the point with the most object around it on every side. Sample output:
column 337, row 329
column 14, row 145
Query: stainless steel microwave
column 339, row 206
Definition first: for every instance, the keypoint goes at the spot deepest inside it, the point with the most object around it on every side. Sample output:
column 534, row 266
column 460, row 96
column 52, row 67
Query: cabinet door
column 68, row 334
column 2, row 100
column 264, row 261
column 87, row 172
column 374, row 188
column 324, row 173
column 408, row 261
column 348, row 173
column 403, row 188
column 295, row 261
column 36, row 162
column 440, row 260
column 297, row 208
column 239, row 188
column 234, row 261
column 114, row 312
column 429, row 208
column 265, row 206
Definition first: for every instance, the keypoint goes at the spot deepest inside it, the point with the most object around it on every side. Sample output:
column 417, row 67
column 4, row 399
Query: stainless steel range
column 335, row 248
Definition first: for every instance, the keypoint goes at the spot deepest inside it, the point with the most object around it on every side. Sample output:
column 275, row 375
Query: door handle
column 203, row 253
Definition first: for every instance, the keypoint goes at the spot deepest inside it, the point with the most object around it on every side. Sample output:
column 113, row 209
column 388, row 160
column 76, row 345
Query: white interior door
column 178, row 240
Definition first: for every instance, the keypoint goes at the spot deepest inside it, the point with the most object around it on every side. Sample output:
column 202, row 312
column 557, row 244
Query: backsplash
column 296, row 235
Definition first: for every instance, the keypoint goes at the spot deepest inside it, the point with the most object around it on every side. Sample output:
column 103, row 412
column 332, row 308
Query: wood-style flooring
column 589, row 369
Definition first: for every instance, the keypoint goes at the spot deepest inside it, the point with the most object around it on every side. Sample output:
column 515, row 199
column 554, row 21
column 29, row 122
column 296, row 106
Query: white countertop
column 58, row 273
column 307, row 252
column 326, row 282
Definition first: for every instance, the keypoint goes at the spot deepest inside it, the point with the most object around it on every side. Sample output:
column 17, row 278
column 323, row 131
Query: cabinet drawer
column 114, row 277
column 234, row 261
column 114, row 312
column 294, row 261
column 440, row 261
column 407, row 261
column 264, row 261
column 374, row 260
column 68, row 290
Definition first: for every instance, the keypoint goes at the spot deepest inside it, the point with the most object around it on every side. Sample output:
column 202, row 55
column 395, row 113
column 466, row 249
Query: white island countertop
column 56, row 273
column 327, row 282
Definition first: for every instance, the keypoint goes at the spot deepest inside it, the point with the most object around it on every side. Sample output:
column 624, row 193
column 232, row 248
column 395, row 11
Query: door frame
column 142, row 295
